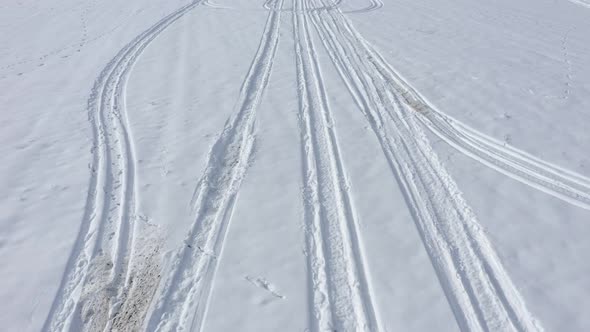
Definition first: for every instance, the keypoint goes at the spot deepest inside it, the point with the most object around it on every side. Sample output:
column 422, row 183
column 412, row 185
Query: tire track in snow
column 184, row 293
column 373, row 5
column 66, row 51
column 214, row 5
column 99, row 278
column 585, row 3
column 477, row 287
column 558, row 182
column 268, row 5
column 340, row 296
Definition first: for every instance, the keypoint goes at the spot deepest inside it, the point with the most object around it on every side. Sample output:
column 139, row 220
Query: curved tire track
column 267, row 5
column 477, row 287
column 550, row 179
column 184, row 294
column 556, row 181
column 373, row 6
column 585, row 3
column 98, row 277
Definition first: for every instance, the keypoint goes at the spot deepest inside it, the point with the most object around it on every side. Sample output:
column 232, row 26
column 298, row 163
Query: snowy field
column 295, row 165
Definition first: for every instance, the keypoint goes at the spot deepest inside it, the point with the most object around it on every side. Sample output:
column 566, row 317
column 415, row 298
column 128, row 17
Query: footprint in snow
column 264, row 284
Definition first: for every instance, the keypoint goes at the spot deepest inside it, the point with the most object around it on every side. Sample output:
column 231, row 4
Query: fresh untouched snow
column 295, row 165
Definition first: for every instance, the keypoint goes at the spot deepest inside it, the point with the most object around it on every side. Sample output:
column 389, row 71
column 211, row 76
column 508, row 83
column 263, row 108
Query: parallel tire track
column 556, row 181
column 270, row 5
column 478, row 288
column 98, row 278
column 585, row 3
column 184, row 293
column 373, row 5
column 550, row 179
column 340, row 297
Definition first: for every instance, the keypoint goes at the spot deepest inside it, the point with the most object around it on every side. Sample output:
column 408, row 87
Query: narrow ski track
column 99, row 273
column 340, row 296
column 184, row 293
column 477, row 287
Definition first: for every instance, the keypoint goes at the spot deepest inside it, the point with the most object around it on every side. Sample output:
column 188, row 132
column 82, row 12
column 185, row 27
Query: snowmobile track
column 585, row 3
column 340, row 295
column 550, row 179
column 477, row 287
column 97, row 273
column 184, row 293
column 556, row 181
column 373, row 6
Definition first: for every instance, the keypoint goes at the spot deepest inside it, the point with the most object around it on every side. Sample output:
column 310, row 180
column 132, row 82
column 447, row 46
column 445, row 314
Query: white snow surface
column 295, row 165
